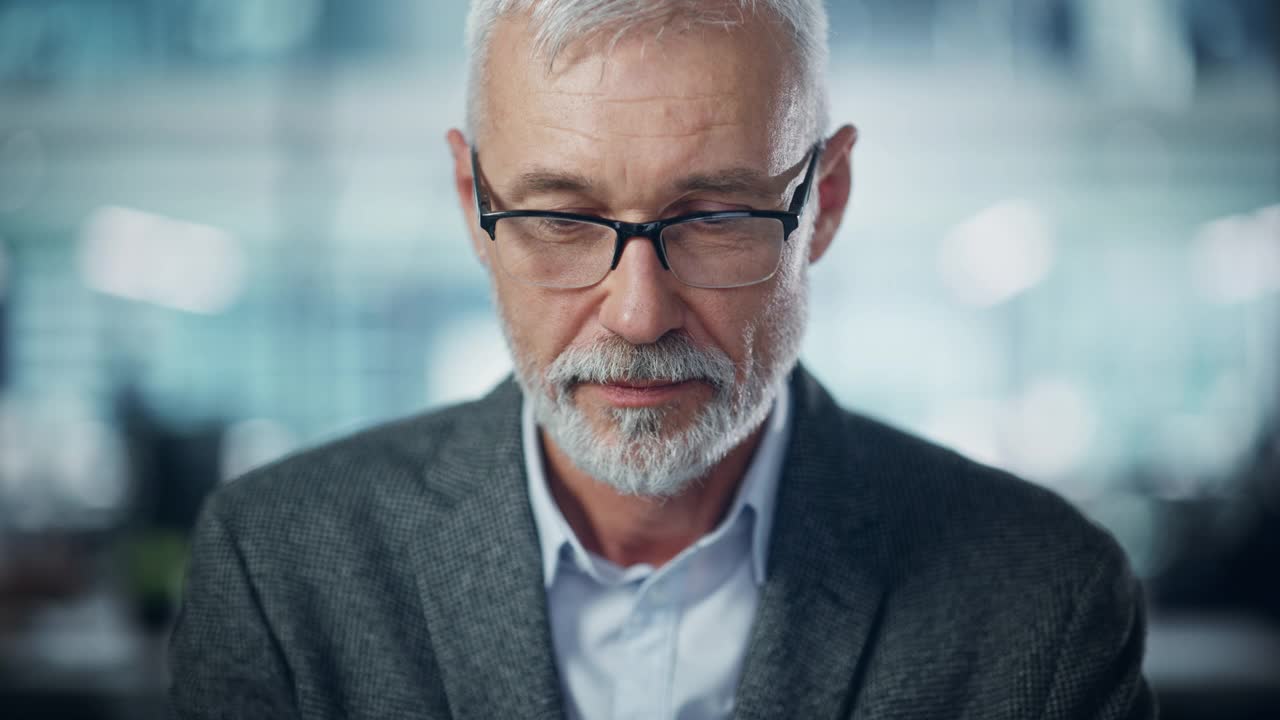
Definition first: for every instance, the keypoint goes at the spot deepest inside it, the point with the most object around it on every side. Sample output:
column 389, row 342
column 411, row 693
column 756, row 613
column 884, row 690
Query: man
column 663, row 516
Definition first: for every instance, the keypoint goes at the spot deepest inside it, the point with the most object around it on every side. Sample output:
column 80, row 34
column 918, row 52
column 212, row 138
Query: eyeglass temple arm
column 482, row 203
column 802, row 192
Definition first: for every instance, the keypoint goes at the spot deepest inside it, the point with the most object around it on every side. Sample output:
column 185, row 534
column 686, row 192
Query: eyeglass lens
column 560, row 253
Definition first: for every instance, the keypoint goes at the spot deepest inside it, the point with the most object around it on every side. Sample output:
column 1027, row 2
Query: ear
column 464, row 186
column 835, row 184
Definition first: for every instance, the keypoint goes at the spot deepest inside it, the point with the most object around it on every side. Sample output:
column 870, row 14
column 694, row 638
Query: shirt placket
column 643, row 691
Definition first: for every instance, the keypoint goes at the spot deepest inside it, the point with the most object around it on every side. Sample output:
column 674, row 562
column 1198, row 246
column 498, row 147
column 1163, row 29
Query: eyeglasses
column 725, row 249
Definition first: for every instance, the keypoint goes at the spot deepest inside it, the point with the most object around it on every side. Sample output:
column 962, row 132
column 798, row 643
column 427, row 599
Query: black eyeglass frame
column 624, row 231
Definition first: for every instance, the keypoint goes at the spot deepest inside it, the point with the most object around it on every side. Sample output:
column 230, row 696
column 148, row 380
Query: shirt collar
column 758, row 491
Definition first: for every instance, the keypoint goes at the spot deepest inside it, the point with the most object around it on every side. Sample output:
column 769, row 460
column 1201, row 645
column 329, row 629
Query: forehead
column 680, row 93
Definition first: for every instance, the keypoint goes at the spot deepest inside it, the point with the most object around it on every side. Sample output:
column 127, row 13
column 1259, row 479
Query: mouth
column 641, row 393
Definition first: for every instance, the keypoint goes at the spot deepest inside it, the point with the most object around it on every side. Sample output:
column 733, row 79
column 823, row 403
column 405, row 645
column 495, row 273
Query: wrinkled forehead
column 670, row 81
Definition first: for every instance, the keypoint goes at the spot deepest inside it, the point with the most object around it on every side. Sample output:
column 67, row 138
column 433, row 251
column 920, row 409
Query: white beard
column 639, row 451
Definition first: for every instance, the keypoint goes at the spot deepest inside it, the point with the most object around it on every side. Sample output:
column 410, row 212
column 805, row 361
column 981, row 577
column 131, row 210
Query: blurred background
column 227, row 232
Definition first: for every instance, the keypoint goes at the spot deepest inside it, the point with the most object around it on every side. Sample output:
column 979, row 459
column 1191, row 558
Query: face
column 643, row 382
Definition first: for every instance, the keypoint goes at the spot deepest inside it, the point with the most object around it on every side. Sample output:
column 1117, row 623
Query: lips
column 642, row 393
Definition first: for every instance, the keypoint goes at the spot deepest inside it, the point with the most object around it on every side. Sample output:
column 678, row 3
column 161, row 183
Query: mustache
column 673, row 357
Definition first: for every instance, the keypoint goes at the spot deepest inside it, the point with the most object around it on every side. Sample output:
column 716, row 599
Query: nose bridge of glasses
column 651, row 231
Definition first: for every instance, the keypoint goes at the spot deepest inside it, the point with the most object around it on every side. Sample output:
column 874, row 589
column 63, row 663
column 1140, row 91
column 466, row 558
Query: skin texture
column 618, row 131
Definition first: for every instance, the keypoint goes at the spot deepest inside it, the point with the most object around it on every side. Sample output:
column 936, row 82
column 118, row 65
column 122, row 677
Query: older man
column 663, row 516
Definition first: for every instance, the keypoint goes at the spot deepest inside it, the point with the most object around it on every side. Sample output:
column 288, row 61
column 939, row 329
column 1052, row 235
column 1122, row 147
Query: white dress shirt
column 645, row 643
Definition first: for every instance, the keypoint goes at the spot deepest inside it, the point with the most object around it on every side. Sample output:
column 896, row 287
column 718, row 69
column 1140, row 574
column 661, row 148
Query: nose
column 642, row 301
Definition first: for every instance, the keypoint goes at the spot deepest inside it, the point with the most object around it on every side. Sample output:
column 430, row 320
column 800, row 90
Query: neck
column 628, row 530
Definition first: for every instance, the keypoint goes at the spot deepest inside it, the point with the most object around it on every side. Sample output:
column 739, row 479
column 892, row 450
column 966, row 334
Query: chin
column 646, row 452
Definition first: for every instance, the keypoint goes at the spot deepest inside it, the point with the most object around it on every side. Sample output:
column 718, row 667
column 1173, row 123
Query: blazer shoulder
column 373, row 473
column 946, row 505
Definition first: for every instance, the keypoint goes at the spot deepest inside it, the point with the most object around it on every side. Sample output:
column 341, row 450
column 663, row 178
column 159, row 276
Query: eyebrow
column 731, row 181
column 545, row 181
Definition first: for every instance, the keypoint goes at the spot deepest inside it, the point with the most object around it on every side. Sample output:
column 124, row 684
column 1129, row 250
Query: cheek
column 729, row 321
column 541, row 324
column 786, row 316
column 770, row 332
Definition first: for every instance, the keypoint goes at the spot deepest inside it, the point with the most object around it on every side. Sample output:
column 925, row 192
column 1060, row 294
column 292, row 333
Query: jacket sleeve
column 224, row 661
column 1099, row 666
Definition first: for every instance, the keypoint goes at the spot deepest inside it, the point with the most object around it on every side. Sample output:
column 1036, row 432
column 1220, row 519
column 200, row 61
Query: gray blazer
column 396, row 574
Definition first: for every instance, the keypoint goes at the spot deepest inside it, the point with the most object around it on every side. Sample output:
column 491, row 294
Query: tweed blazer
column 396, row 574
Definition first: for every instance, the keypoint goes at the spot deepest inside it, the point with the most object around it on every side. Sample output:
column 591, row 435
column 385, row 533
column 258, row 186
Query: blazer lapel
column 821, row 599
column 479, row 572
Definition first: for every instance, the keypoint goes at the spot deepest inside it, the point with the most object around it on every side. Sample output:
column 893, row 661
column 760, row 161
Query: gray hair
column 558, row 23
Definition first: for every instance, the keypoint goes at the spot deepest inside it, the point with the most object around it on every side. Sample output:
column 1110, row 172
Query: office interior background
column 227, row 232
